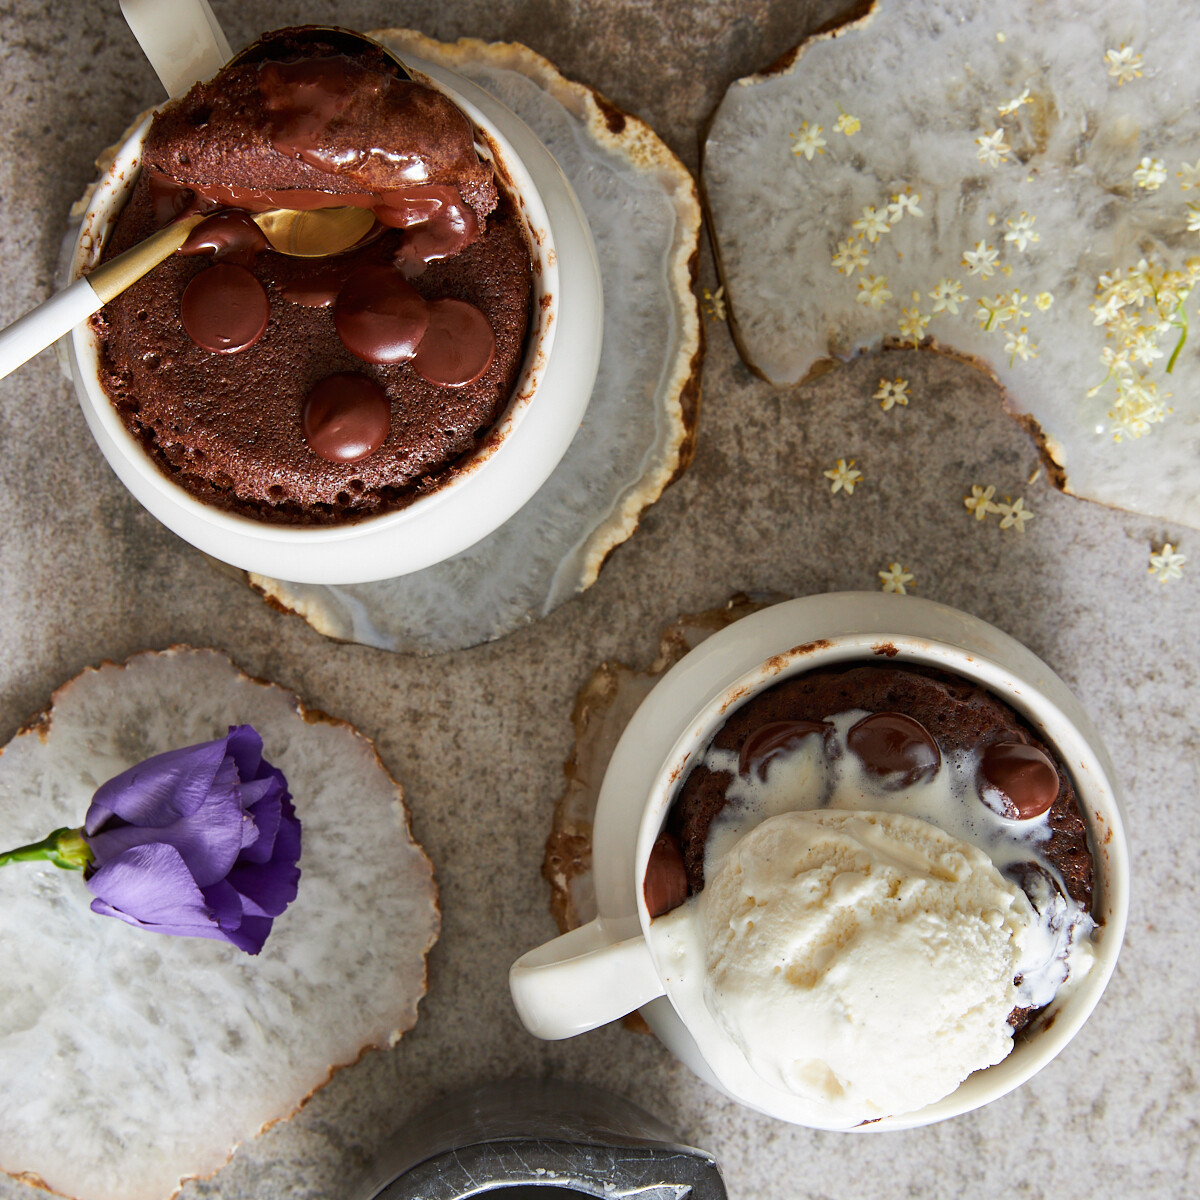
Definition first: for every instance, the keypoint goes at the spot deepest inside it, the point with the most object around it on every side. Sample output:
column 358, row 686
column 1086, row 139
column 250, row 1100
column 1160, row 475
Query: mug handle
column 582, row 980
column 181, row 38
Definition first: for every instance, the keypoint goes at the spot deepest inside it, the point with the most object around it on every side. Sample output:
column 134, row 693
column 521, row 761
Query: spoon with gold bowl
column 300, row 233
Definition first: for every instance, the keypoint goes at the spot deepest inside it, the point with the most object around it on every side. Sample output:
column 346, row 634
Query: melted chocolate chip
column 665, row 886
column 315, row 291
column 773, row 739
column 380, row 316
column 346, row 418
column 230, row 235
column 224, row 309
column 458, row 346
column 895, row 747
column 1022, row 782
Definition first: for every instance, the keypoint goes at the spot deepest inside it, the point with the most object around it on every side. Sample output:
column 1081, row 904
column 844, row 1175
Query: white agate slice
column 132, row 1060
column 1056, row 137
column 637, row 434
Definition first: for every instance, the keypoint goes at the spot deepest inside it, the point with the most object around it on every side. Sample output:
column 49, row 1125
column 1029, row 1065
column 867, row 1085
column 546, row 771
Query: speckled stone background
column 479, row 737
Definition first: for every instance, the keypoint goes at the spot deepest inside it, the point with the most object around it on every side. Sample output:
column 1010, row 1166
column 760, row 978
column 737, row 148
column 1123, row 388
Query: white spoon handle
column 181, row 38
column 36, row 330
column 21, row 340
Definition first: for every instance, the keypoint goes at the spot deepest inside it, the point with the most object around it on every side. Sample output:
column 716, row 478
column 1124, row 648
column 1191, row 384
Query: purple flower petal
column 251, row 935
column 267, row 814
column 267, row 888
column 208, row 840
column 151, row 885
column 226, row 904
column 160, row 790
column 244, row 746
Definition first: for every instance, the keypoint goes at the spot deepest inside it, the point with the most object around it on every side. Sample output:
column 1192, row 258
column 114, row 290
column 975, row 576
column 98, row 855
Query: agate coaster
column 639, row 429
column 1054, row 160
column 137, row 1060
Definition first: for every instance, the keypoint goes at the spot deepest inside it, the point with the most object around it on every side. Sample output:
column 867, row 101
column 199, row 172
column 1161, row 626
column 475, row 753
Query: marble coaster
column 1012, row 184
column 135, row 1060
column 639, row 429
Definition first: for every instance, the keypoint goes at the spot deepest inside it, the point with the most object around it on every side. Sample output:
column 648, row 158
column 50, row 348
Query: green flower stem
column 1181, row 313
column 64, row 848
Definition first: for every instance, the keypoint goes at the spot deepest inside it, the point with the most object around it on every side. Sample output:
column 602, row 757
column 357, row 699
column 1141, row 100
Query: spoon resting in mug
column 300, row 233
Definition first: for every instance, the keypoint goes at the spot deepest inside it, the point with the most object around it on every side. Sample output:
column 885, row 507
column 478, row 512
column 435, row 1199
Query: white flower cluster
column 1138, row 309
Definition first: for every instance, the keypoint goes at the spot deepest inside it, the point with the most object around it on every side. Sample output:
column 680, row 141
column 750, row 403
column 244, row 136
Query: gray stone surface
column 479, row 737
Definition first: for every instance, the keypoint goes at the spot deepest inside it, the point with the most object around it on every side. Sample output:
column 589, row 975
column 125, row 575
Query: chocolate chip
column 773, row 739
column 665, row 886
column 380, row 316
column 346, row 418
column 1020, row 781
column 224, row 309
column 897, row 748
column 458, row 346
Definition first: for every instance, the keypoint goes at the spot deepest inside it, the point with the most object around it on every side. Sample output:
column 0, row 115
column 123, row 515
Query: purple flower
column 198, row 842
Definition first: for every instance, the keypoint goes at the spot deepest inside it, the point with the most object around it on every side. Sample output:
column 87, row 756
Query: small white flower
column 895, row 578
column 843, row 477
column 979, row 501
column 1189, row 177
column 1011, row 106
column 1117, row 361
column 981, row 260
column 1124, row 326
column 851, row 254
column 904, row 202
column 1019, row 346
column 1143, row 346
column 1151, row 174
column 809, row 141
column 989, row 312
column 871, row 224
column 1193, row 217
column 892, row 392
column 1014, row 514
column 1043, row 300
column 947, row 296
column 1165, row 564
column 848, row 125
column 1123, row 65
column 873, row 291
column 993, row 149
column 912, row 324
column 1021, row 233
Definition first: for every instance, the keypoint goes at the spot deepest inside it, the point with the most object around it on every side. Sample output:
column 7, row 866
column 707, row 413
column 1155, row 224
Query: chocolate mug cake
column 305, row 391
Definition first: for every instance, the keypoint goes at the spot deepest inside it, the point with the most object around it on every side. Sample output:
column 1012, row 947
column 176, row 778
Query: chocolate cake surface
column 959, row 715
column 231, row 427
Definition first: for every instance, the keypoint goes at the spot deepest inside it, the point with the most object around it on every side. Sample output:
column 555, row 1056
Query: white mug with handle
column 608, row 967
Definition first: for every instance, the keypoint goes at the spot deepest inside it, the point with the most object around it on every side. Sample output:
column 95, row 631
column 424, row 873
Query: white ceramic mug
column 519, row 452
column 607, row 968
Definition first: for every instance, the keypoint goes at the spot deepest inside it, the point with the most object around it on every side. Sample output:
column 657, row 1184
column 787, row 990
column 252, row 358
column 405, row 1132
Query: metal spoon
column 309, row 233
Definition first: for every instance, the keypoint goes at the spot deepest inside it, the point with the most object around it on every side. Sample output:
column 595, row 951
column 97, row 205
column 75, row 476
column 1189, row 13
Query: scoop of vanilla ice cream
column 862, row 960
